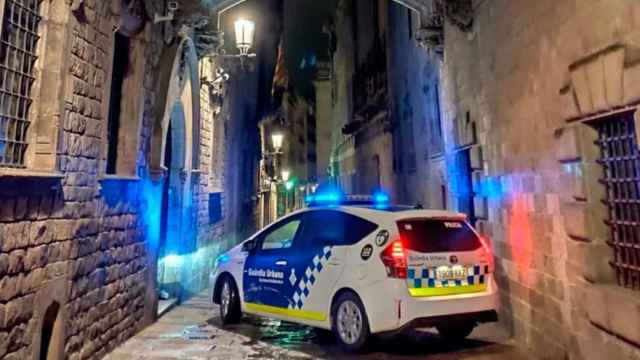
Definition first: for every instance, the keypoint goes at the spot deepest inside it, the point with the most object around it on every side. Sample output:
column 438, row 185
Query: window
column 436, row 142
column 326, row 227
column 620, row 160
column 215, row 207
column 119, row 72
column 433, row 236
column 410, row 22
column 282, row 237
column 125, row 107
column 18, row 44
column 462, row 181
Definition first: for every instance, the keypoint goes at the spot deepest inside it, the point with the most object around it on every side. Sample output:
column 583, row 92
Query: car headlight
column 220, row 260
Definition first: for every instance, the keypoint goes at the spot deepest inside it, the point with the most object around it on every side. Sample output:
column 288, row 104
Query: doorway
column 51, row 334
column 463, row 180
column 171, row 245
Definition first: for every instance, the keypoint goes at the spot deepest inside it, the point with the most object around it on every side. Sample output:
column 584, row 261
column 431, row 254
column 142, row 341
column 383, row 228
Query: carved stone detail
column 132, row 17
column 459, row 13
column 433, row 16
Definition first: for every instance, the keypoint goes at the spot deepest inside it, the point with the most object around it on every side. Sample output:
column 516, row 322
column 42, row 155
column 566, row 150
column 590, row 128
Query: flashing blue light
column 324, row 198
column 381, row 198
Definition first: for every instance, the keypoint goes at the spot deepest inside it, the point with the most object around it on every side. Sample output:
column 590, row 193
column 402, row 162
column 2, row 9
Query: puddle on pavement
column 199, row 332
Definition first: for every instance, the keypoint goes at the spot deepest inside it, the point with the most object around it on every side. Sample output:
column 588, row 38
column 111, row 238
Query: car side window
column 282, row 236
column 329, row 227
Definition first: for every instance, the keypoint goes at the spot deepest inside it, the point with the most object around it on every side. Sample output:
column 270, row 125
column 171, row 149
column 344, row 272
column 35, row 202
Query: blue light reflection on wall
column 152, row 210
column 490, row 187
column 172, row 260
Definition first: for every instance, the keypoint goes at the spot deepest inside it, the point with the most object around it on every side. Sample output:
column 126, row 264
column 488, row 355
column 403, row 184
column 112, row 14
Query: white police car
column 359, row 268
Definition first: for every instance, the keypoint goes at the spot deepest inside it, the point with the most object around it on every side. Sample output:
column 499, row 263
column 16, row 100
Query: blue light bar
column 337, row 198
column 330, row 198
column 381, row 198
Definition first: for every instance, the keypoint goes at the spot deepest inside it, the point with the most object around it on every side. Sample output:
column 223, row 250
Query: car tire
column 455, row 332
column 230, row 312
column 350, row 324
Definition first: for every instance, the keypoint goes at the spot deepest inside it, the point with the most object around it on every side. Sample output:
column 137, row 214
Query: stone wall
column 526, row 78
column 69, row 233
column 77, row 239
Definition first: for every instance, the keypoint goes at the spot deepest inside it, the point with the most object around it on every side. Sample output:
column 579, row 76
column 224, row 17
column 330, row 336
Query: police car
column 361, row 267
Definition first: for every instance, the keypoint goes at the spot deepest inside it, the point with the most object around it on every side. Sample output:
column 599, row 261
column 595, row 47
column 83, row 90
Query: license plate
column 451, row 272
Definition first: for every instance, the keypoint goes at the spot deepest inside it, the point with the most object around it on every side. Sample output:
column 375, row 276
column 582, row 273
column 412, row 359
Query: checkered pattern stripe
column 419, row 277
column 303, row 287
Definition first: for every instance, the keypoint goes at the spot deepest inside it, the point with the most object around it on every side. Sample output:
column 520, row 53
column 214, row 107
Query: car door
column 266, row 270
column 326, row 237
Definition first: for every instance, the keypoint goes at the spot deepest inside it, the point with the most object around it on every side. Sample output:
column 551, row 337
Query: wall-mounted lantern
column 277, row 139
column 245, row 31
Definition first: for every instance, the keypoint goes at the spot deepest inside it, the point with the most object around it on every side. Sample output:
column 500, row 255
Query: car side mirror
column 249, row 245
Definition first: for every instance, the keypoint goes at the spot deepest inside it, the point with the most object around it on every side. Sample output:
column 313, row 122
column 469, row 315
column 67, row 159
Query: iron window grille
column 18, row 42
column 620, row 159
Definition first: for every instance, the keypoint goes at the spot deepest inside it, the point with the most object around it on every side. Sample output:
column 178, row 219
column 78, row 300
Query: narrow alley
column 193, row 331
column 463, row 173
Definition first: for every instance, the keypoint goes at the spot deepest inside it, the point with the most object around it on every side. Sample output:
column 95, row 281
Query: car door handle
column 281, row 263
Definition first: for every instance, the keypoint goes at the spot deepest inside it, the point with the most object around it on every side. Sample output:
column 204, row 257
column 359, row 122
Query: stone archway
column 177, row 113
column 178, row 81
column 51, row 333
column 50, row 318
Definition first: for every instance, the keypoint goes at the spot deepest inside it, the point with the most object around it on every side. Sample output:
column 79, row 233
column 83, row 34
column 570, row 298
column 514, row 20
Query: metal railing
column 620, row 160
column 18, row 44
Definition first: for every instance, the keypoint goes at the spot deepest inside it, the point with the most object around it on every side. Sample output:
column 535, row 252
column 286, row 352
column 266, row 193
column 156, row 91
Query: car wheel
column 350, row 322
column 455, row 332
column 229, row 302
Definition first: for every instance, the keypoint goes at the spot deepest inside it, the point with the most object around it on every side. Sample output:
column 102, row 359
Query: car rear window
column 431, row 236
column 336, row 228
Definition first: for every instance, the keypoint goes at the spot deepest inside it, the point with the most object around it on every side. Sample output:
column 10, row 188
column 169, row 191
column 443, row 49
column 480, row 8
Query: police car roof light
column 337, row 198
column 330, row 198
column 381, row 198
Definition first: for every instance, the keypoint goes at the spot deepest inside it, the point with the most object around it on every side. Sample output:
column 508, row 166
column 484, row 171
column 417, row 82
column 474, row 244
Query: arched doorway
column 174, row 159
column 51, row 334
column 172, row 220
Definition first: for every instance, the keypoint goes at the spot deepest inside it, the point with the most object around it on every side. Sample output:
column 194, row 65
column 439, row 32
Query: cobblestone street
column 192, row 331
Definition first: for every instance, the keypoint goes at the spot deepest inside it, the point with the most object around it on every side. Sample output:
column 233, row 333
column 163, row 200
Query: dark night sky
column 301, row 24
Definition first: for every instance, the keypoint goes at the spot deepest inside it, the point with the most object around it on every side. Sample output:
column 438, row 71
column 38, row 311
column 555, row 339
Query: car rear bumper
column 405, row 311
column 433, row 321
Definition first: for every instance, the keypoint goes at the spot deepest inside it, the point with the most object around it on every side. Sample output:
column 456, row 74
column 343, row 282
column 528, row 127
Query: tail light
column 487, row 254
column 394, row 260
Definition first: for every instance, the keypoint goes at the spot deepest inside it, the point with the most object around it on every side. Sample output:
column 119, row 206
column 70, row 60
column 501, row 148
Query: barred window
column 620, row 160
column 18, row 42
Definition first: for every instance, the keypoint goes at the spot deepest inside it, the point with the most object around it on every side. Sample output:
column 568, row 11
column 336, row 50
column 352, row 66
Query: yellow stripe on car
column 300, row 314
column 443, row 291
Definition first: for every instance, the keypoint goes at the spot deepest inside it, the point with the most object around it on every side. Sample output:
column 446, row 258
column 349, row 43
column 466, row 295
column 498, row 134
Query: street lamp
column 277, row 138
column 285, row 175
column 245, row 30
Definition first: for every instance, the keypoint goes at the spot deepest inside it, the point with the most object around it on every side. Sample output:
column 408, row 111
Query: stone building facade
column 388, row 132
column 524, row 116
column 113, row 175
column 545, row 93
